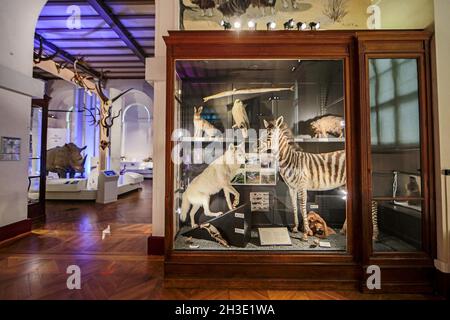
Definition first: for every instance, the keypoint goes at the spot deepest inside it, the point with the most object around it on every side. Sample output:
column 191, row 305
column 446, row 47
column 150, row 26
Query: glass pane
column 259, row 149
column 395, row 138
column 34, row 160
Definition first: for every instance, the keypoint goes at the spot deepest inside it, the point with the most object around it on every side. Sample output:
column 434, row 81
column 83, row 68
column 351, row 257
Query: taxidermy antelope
column 202, row 125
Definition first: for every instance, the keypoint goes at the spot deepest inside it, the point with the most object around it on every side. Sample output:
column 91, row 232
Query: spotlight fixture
column 301, row 26
column 314, row 25
column 288, row 25
column 251, row 25
column 271, row 25
column 225, row 24
column 237, row 24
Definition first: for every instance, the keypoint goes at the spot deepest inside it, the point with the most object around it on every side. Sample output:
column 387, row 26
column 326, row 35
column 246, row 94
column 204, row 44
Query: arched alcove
column 136, row 132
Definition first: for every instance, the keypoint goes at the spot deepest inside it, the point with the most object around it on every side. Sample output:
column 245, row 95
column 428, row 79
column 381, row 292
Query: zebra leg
column 303, row 196
column 293, row 194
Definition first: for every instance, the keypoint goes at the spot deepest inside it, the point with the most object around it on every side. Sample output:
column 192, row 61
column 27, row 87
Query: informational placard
column 10, row 149
column 274, row 237
column 259, row 201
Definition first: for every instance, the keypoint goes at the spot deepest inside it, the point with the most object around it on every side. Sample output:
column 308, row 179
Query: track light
column 251, row 25
column 288, row 25
column 237, row 24
column 225, row 24
column 271, row 25
column 301, row 26
column 314, row 25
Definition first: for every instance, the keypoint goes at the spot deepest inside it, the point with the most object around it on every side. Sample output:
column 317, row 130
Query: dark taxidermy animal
column 66, row 159
column 412, row 189
column 234, row 7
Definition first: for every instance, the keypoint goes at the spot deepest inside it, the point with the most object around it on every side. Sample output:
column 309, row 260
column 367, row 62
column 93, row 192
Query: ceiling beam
column 105, row 12
column 65, row 55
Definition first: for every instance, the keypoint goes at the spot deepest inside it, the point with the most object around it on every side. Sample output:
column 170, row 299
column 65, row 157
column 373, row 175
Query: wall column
column 166, row 19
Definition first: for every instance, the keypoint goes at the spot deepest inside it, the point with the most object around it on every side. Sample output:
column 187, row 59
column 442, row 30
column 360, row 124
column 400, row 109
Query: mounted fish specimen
column 216, row 177
column 245, row 91
column 202, row 125
column 240, row 117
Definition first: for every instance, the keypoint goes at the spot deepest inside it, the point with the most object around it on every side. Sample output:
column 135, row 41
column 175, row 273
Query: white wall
column 442, row 34
column 17, row 23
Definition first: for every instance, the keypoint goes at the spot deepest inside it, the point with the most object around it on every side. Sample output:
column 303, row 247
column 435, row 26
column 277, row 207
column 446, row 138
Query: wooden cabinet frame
column 306, row 270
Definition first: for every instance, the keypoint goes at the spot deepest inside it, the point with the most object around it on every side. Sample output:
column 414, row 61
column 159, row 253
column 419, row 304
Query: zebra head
column 268, row 142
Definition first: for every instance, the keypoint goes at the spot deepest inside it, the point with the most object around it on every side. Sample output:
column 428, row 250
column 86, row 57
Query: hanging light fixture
column 289, row 25
column 251, row 25
column 301, row 26
column 314, row 25
column 271, row 25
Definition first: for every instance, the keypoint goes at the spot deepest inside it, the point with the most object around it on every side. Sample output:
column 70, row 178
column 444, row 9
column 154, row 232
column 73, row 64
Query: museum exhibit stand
column 299, row 159
column 37, row 159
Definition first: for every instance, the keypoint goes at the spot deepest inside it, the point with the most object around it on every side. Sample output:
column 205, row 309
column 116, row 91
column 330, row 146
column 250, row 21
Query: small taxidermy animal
column 240, row 117
column 202, row 125
column 328, row 125
column 318, row 225
column 217, row 176
column 412, row 190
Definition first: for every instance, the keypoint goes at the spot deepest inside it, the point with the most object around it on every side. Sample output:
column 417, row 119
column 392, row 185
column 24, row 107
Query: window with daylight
column 394, row 103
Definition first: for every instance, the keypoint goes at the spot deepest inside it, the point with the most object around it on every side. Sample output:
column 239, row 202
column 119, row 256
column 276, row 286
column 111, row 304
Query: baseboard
column 443, row 284
column 13, row 230
column 155, row 246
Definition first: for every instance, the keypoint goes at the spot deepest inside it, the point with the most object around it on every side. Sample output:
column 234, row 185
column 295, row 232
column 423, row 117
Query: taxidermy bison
column 66, row 159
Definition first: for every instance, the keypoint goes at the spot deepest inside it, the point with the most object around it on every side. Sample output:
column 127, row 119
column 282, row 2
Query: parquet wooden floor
column 34, row 266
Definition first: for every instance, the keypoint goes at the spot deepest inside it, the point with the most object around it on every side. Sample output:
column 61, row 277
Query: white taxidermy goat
column 240, row 117
column 202, row 125
column 217, row 176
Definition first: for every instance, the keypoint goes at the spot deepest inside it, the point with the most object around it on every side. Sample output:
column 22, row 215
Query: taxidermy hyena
column 328, row 124
column 207, row 6
column 202, row 125
column 217, row 176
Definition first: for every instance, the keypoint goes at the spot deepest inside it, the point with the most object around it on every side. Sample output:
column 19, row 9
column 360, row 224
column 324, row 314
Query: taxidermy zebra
column 202, row 125
column 207, row 6
column 303, row 171
column 240, row 117
column 234, row 8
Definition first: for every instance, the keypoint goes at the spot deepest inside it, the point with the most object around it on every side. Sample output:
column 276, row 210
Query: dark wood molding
column 15, row 229
column 402, row 272
column 155, row 246
column 443, row 284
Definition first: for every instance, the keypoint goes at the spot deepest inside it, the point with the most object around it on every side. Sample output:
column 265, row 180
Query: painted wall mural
column 330, row 14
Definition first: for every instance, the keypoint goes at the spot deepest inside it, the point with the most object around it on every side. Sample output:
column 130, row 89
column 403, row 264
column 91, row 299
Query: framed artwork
column 10, row 149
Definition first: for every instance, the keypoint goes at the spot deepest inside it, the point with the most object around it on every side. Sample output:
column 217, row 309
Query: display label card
column 239, row 215
column 274, row 237
column 324, row 244
column 259, row 201
column 238, row 230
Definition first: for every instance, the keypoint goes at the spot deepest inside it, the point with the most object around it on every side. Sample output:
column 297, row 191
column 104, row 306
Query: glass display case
column 37, row 157
column 297, row 159
column 230, row 108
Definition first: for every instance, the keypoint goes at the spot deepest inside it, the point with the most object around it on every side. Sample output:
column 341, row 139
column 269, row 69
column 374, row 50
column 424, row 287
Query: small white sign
column 239, row 215
column 238, row 230
column 274, row 237
column 324, row 244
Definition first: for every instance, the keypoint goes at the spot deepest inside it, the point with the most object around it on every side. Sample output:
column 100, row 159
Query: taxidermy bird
column 240, row 117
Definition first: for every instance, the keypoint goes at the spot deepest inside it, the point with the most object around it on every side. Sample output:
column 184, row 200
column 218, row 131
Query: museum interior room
column 224, row 149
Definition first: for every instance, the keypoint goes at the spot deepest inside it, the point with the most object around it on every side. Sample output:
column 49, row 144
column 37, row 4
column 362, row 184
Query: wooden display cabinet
column 401, row 271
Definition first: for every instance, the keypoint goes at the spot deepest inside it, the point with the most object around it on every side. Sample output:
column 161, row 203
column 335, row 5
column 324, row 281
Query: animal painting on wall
column 216, row 14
